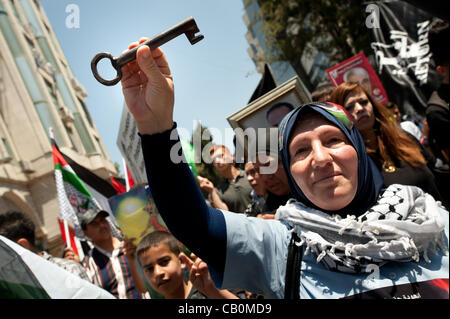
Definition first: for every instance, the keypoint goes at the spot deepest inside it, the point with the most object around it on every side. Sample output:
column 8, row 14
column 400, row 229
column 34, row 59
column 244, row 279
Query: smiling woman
column 328, row 167
column 323, row 163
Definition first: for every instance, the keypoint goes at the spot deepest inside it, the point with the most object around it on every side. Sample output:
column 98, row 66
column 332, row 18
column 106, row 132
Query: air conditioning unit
column 74, row 83
column 78, row 87
column 5, row 159
column 66, row 115
column 27, row 167
column 48, row 67
column 28, row 27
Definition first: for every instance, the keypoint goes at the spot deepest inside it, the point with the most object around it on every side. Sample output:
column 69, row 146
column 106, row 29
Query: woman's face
column 323, row 163
column 359, row 106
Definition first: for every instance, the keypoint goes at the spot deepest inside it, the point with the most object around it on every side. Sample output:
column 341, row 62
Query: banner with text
column 403, row 56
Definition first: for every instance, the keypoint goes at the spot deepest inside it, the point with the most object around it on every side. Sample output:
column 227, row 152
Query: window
column 88, row 115
column 52, row 91
column 16, row 13
column 100, row 146
column 71, row 137
column 7, row 148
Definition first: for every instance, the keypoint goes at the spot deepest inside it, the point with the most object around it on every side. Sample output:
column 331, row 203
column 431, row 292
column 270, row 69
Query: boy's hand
column 129, row 249
column 199, row 274
column 148, row 90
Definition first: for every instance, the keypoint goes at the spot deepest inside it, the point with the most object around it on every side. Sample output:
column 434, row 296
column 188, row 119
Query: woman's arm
column 180, row 202
column 149, row 94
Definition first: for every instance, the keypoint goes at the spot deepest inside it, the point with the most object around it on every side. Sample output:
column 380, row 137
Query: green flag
column 188, row 151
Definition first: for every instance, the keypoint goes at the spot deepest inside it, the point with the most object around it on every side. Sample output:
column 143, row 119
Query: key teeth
column 193, row 39
column 196, row 39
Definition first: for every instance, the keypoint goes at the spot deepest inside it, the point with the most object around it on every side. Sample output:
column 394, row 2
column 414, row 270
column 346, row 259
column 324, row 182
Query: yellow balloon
column 132, row 218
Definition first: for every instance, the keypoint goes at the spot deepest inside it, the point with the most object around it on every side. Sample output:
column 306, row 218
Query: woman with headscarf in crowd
column 396, row 153
column 347, row 224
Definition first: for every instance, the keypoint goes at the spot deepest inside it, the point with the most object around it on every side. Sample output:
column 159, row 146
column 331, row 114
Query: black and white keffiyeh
column 404, row 224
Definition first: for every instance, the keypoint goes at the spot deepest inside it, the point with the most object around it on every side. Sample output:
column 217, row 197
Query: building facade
column 38, row 91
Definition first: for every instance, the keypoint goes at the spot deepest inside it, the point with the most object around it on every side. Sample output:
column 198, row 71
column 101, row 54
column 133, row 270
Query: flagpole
column 66, row 226
column 127, row 182
column 66, row 232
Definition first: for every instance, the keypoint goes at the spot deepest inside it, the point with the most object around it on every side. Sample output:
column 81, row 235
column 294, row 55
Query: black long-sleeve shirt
column 181, row 203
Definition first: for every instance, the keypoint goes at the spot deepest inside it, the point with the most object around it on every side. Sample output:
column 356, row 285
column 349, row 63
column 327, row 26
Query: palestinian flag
column 73, row 240
column 73, row 197
column 25, row 275
column 339, row 112
column 118, row 185
column 130, row 181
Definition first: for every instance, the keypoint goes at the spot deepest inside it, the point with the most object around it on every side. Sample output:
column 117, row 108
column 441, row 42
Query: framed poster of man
column 267, row 111
column 254, row 114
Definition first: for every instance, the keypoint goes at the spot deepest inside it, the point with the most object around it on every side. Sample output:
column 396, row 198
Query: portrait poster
column 254, row 114
column 358, row 69
column 136, row 213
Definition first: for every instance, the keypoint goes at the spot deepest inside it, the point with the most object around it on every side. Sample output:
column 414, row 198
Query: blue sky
column 213, row 79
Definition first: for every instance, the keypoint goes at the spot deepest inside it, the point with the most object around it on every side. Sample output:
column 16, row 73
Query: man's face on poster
column 360, row 76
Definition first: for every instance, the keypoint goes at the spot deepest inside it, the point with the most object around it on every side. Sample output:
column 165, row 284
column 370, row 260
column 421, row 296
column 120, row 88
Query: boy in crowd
column 163, row 263
column 111, row 263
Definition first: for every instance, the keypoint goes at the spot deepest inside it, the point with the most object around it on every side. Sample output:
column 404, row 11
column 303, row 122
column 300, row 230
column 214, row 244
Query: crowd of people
column 356, row 189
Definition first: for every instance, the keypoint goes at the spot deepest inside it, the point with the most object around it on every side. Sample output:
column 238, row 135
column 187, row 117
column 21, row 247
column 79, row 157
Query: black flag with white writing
column 399, row 39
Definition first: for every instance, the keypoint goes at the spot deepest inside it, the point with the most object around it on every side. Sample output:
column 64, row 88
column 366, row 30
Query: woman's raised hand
column 148, row 90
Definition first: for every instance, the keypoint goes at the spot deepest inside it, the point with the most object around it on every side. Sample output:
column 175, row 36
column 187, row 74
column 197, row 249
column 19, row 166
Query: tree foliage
column 204, row 169
column 118, row 171
column 335, row 27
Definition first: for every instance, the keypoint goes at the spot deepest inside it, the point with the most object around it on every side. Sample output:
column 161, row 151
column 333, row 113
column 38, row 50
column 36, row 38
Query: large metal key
column 188, row 27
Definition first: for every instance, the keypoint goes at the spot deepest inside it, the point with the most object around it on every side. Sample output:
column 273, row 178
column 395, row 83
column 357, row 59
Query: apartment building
column 38, row 91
